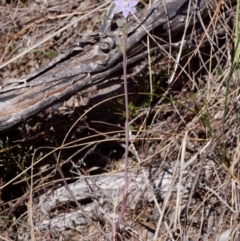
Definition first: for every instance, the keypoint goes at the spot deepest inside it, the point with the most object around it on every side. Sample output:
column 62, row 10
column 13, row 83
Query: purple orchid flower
column 125, row 6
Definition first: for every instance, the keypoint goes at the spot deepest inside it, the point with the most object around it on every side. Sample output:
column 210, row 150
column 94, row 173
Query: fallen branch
column 96, row 58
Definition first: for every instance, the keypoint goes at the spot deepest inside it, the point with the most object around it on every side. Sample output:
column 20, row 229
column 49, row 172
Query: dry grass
column 190, row 131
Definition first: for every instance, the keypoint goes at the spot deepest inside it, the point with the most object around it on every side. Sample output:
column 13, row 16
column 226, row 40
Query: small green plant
column 45, row 53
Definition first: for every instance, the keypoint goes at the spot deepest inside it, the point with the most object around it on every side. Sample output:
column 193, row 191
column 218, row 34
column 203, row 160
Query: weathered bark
column 96, row 58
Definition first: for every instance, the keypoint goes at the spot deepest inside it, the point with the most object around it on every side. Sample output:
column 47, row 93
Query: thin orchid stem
column 125, row 195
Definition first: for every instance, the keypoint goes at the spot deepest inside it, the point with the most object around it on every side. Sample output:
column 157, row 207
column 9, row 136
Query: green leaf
column 120, row 23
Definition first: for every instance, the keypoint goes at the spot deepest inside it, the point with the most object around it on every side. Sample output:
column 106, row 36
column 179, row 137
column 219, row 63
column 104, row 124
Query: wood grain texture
column 94, row 59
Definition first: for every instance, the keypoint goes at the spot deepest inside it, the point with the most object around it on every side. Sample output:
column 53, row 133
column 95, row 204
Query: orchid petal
column 118, row 3
column 125, row 12
column 132, row 3
column 133, row 10
column 125, row 6
column 117, row 9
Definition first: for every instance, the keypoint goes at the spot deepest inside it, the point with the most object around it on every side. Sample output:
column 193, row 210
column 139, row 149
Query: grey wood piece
column 93, row 59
